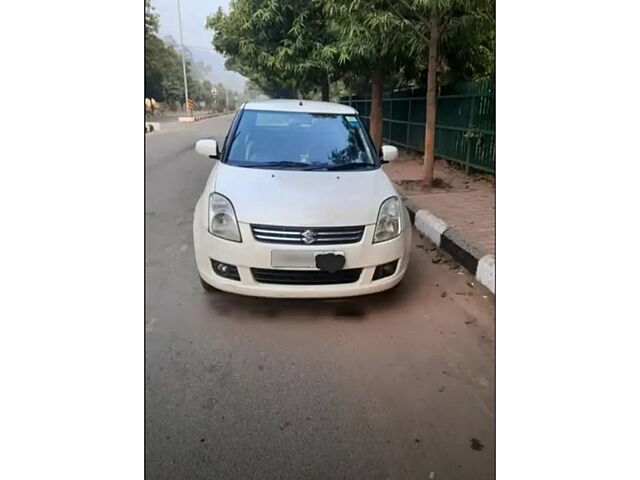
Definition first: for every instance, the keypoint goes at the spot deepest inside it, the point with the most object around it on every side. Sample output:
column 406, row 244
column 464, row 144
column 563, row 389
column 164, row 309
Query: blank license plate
column 296, row 258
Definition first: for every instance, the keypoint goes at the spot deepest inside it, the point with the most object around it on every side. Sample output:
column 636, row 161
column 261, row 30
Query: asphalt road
column 397, row 385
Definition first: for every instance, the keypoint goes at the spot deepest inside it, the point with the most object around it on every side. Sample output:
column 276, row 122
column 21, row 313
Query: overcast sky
column 194, row 17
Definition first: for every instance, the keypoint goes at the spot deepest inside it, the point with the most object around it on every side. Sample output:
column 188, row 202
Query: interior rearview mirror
column 389, row 153
column 208, row 148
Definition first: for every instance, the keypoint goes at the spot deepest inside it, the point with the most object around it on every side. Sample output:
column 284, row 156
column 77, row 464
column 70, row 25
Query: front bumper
column 253, row 254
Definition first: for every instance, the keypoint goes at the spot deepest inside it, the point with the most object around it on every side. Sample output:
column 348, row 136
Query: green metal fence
column 465, row 121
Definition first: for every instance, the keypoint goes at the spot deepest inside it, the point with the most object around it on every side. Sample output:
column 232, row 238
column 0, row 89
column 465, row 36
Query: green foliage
column 284, row 46
column 162, row 67
column 150, row 19
column 469, row 52
column 278, row 44
column 368, row 33
column 163, row 78
column 299, row 44
column 466, row 31
column 295, row 44
column 163, row 71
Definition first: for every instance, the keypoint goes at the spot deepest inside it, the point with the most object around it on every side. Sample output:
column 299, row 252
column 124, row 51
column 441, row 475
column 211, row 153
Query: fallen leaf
column 444, row 294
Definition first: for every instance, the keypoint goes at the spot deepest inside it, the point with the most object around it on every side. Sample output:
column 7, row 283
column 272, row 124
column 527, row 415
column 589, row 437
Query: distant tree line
column 163, row 78
column 309, row 48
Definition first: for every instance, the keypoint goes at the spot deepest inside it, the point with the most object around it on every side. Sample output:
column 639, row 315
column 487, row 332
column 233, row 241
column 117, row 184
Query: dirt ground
column 407, row 172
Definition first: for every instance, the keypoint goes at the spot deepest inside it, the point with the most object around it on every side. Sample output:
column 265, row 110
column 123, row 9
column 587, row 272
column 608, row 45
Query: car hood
column 297, row 198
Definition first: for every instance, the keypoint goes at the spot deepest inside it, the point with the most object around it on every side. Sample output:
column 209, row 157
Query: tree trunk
column 430, row 129
column 325, row 88
column 299, row 94
column 375, row 118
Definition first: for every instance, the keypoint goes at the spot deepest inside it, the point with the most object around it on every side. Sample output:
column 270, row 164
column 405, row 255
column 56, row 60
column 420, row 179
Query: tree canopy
column 286, row 46
column 289, row 45
column 281, row 45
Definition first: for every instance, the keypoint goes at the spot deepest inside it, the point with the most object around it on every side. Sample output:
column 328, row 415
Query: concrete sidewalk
column 457, row 214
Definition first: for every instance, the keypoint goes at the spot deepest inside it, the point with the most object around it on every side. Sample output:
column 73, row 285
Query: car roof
column 305, row 106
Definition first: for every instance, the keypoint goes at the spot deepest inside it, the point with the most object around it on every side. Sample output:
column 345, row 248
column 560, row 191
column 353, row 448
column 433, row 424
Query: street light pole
column 184, row 65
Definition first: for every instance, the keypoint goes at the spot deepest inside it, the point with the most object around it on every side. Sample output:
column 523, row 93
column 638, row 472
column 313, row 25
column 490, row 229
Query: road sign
column 192, row 105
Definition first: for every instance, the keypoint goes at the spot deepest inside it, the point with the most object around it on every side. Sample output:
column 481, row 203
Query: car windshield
column 300, row 141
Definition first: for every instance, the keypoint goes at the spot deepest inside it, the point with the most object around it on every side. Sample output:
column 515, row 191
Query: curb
column 197, row 118
column 483, row 267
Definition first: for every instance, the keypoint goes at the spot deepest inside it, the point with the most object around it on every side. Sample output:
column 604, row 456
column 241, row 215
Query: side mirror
column 208, row 148
column 389, row 153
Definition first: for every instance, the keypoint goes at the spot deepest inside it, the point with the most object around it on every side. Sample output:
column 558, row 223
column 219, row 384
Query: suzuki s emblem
column 309, row 237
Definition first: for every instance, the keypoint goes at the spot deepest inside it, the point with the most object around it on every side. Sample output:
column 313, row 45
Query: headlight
column 389, row 221
column 222, row 218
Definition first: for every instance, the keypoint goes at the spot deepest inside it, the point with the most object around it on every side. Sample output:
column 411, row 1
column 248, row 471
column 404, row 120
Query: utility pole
column 184, row 65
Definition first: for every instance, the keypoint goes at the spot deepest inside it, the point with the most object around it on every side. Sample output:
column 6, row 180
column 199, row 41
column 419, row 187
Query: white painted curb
column 430, row 225
column 433, row 228
column 486, row 272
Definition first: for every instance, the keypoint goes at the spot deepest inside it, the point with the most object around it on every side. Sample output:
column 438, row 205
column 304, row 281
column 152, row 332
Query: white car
column 299, row 206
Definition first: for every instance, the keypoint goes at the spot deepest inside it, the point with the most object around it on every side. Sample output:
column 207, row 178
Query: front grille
column 307, row 235
column 305, row 277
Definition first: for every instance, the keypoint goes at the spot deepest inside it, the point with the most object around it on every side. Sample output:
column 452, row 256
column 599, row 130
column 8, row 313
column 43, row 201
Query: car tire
column 208, row 288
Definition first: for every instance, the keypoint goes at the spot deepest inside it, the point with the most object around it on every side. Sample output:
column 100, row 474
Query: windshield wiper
column 350, row 166
column 308, row 166
column 282, row 164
